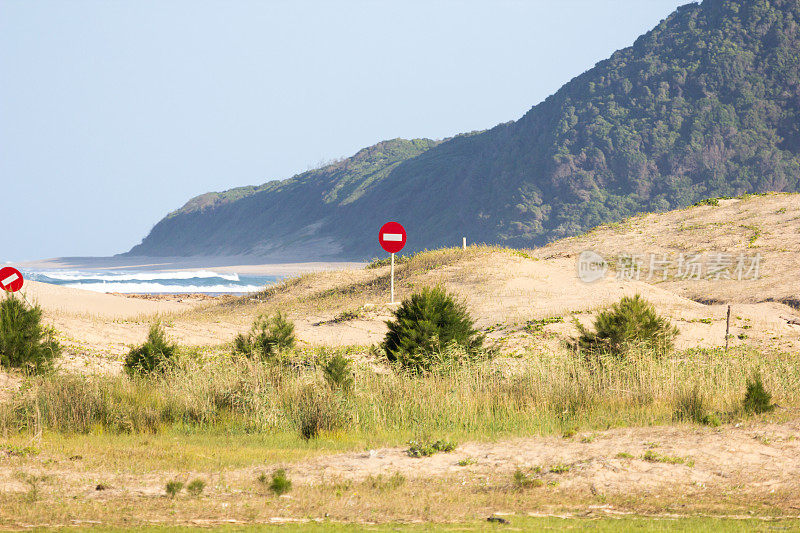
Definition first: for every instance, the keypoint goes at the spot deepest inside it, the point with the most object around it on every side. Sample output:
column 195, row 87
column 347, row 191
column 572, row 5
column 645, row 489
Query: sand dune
column 504, row 289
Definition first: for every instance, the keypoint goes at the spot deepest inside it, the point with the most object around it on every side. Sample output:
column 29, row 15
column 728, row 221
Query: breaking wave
column 144, row 282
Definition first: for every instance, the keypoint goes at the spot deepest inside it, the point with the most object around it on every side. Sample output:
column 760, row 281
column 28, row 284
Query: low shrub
column 153, row 356
column 756, row 398
column 25, row 343
column 430, row 328
column 268, row 336
column 691, row 406
column 526, row 480
column 338, row 372
column 560, row 468
column 630, row 324
column 280, row 484
column 419, row 449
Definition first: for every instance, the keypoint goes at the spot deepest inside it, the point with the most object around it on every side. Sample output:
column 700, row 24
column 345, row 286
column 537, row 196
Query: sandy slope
column 767, row 225
column 504, row 289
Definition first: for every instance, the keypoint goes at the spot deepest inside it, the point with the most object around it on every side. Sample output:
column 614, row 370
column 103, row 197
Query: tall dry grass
column 541, row 393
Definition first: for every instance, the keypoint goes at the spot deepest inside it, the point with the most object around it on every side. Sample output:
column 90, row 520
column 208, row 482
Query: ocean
column 153, row 282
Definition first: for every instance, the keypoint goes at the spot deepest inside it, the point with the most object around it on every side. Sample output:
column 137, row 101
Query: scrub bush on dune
column 25, row 343
column 153, row 356
column 338, row 372
column 268, row 336
column 630, row 324
column 756, row 398
column 429, row 329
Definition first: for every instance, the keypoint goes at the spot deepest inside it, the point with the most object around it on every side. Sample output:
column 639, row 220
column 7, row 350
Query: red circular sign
column 10, row 279
column 392, row 237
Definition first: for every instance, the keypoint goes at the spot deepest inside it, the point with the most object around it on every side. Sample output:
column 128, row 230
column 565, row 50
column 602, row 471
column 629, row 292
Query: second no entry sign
column 10, row 279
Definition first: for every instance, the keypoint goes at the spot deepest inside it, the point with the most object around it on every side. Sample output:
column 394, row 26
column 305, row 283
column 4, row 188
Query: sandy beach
column 223, row 264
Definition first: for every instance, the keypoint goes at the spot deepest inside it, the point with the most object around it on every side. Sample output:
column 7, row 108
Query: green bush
column 756, row 398
column 280, row 484
column 338, row 372
column 630, row 324
column 25, row 343
column 268, row 336
column 429, row 329
column 153, row 356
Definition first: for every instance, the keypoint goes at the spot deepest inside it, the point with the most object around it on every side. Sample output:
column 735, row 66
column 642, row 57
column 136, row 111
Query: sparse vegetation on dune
column 217, row 416
column 268, row 337
column 325, row 289
column 152, row 357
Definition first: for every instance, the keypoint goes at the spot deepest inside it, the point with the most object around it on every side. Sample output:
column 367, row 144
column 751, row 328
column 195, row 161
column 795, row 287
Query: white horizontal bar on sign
column 395, row 237
column 13, row 277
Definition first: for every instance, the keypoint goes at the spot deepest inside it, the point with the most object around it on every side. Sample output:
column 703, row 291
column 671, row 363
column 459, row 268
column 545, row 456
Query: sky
column 114, row 113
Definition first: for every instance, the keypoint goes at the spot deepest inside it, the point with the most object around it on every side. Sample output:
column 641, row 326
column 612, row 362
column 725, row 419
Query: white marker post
column 392, row 238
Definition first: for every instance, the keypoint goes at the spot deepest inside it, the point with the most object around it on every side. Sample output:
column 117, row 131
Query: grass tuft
column 172, row 488
column 196, row 487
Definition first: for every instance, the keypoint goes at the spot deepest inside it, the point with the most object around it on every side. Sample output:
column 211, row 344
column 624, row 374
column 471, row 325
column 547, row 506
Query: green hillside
column 279, row 218
column 706, row 104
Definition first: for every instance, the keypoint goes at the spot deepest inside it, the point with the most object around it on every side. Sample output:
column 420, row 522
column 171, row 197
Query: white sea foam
column 75, row 275
column 145, row 288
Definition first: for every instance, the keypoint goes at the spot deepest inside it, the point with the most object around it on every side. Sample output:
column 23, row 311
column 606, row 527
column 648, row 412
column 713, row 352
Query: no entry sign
column 10, row 279
column 392, row 237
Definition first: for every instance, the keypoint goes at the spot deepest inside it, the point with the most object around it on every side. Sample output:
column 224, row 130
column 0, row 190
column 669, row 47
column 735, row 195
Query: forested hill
column 704, row 105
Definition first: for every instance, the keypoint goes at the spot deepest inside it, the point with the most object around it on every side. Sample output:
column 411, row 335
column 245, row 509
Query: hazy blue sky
column 114, row 113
